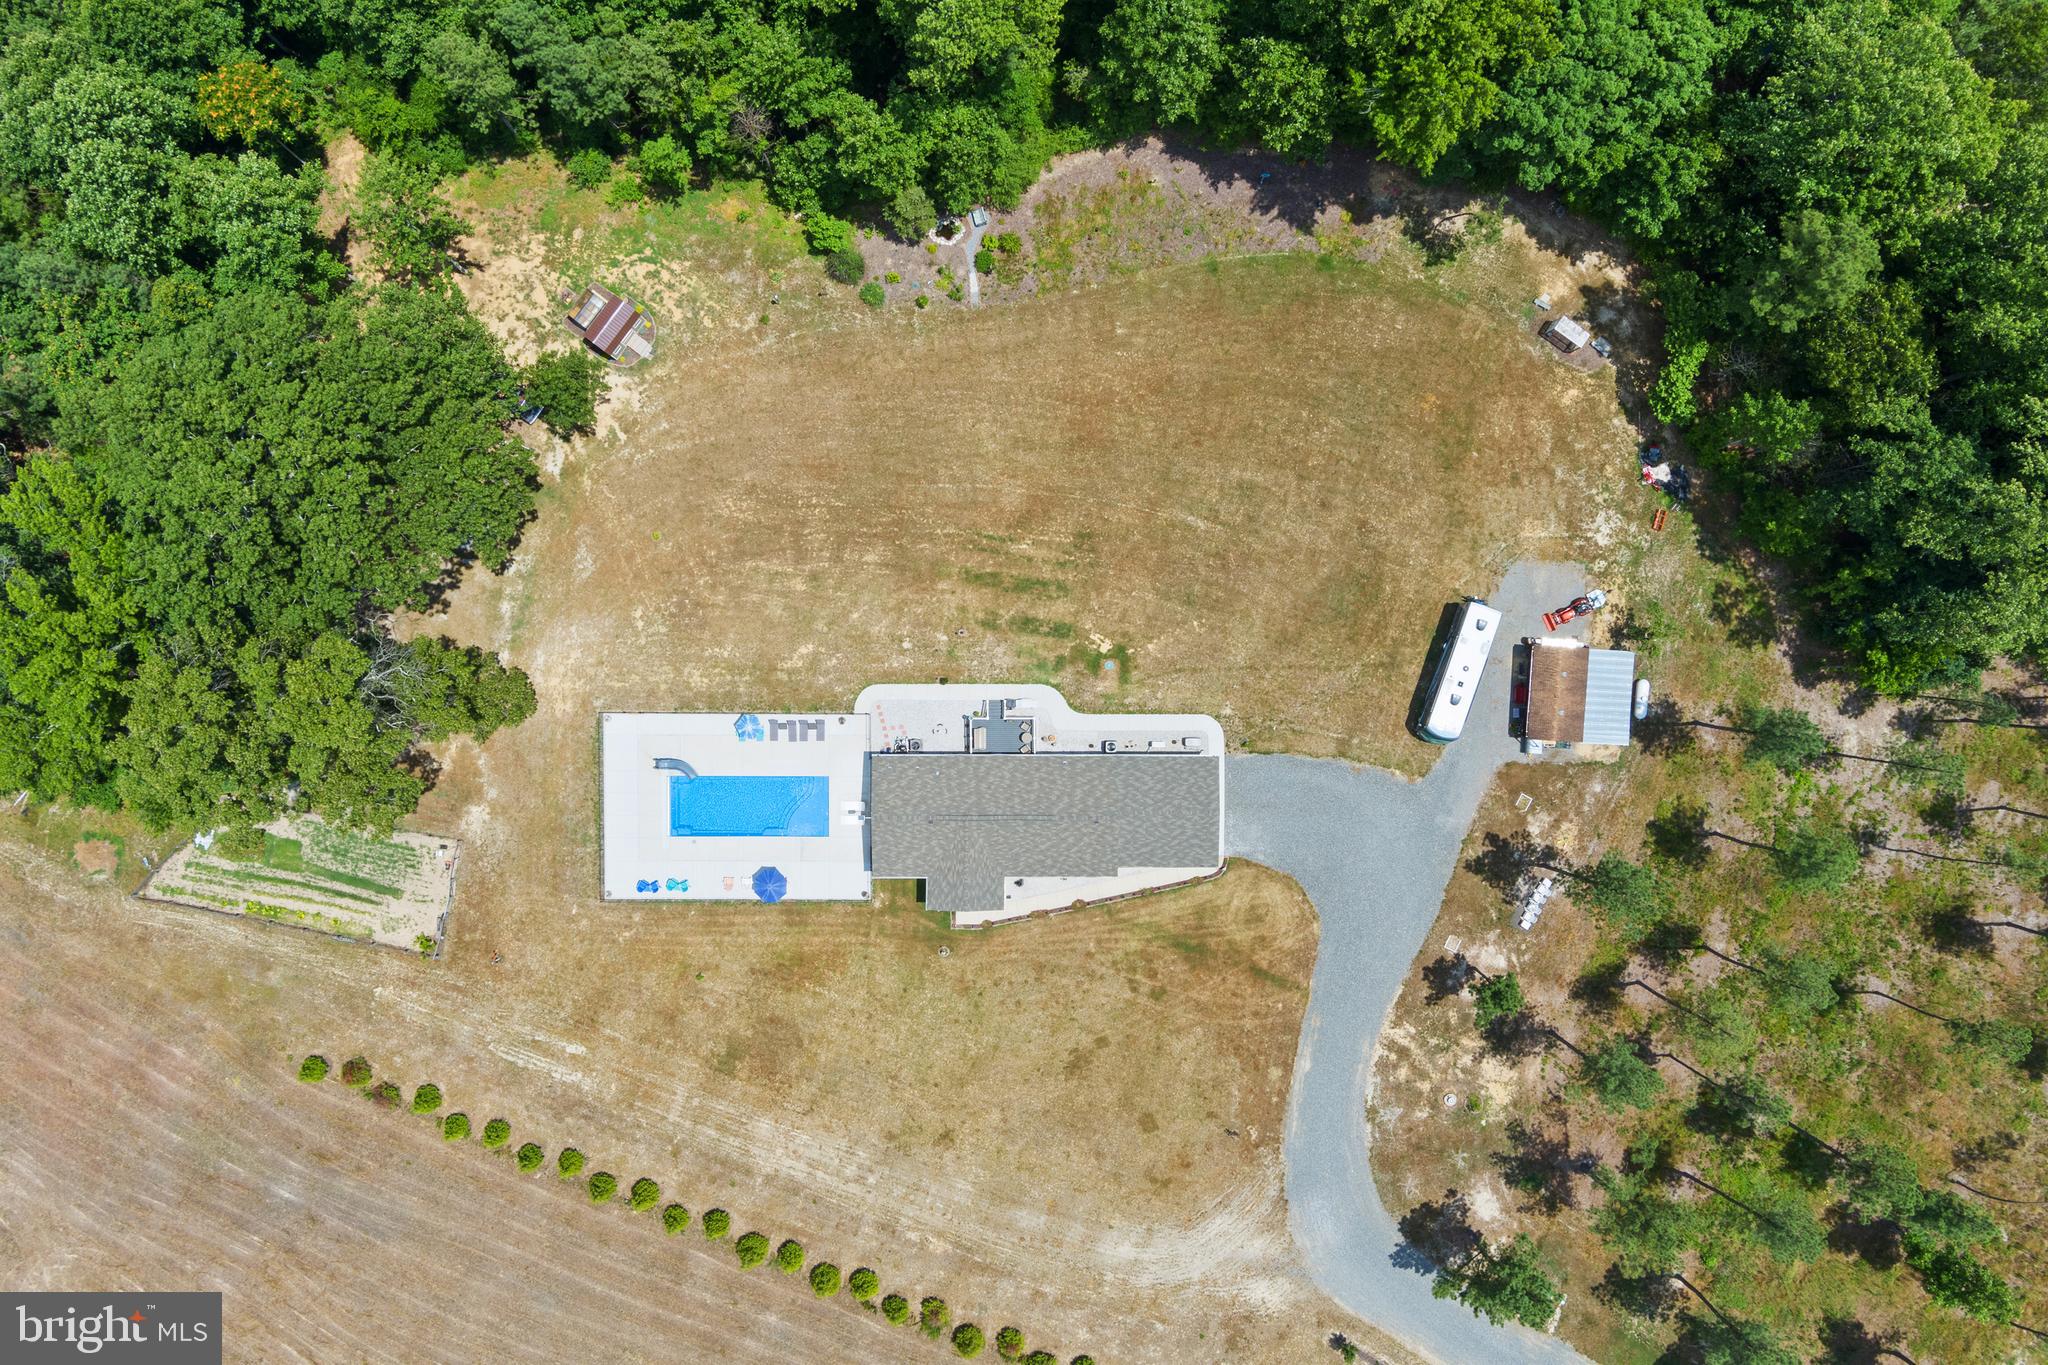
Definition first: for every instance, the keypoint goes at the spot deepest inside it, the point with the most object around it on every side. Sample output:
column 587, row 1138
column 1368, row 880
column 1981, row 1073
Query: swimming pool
column 751, row 806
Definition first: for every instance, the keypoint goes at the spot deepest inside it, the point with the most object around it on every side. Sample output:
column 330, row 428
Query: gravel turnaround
column 1374, row 853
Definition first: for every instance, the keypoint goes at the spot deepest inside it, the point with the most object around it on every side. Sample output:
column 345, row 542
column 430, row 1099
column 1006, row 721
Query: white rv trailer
column 1456, row 683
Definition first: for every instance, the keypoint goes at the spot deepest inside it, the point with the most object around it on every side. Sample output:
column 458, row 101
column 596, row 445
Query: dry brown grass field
column 1251, row 486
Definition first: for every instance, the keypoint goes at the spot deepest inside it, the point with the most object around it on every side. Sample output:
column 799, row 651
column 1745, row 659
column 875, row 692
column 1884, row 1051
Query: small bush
column 893, row 278
column 871, row 294
column 674, row 1219
column 932, row 1316
column 664, row 167
column 910, row 214
column 967, row 1340
column 313, row 1069
column 824, row 1279
column 603, row 1185
column 896, row 1308
column 1497, row 999
column 1079, row 1360
column 923, row 302
column 846, row 265
column 984, row 260
column 1009, row 243
column 531, row 1156
column 624, row 190
column 423, row 944
column 1009, row 1342
column 751, row 1248
column 644, row 1195
column 386, row 1094
column 789, row 1257
column 356, row 1072
column 717, row 1222
column 570, row 1162
column 863, row 1283
column 825, row 234
column 497, row 1133
column 426, row 1099
column 589, row 169
column 455, row 1128
column 1048, row 1358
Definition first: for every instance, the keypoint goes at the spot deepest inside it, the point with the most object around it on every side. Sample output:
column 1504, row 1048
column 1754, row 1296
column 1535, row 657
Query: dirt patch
column 1151, row 202
column 345, row 157
column 96, row 858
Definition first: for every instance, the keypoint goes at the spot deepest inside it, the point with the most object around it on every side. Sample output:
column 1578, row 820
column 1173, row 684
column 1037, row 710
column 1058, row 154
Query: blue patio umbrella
column 770, row 885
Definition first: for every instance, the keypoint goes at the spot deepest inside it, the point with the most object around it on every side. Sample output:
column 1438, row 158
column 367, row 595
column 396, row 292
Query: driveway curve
column 1374, row 853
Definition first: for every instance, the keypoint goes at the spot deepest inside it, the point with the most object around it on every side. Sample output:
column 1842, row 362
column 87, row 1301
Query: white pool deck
column 643, row 860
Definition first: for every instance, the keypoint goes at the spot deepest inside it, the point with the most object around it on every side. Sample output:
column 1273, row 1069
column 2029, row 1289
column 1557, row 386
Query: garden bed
column 393, row 890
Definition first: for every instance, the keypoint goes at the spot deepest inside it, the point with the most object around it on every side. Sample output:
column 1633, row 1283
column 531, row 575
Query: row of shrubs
column 931, row 1316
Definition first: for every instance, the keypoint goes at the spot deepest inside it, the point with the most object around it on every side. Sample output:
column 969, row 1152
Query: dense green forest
column 244, row 460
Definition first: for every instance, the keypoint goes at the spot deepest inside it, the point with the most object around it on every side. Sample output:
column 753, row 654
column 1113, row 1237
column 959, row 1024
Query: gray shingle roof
column 963, row 822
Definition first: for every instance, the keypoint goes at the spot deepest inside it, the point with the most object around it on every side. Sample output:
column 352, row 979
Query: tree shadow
column 1678, row 834
column 1807, row 1161
column 1517, row 1035
column 435, row 594
column 1974, row 1156
column 1541, row 1165
column 1435, row 1234
column 1953, row 929
column 421, row 764
column 1664, row 731
column 1670, row 943
column 1653, row 1298
column 1446, row 977
column 1600, row 987
column 1845, row 1341
column 1879, row 1244
column 1504, row 860
column 1745, row 610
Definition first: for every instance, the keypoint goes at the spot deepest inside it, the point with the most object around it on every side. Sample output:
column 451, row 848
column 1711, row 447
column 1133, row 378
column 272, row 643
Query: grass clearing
column 1252, row 488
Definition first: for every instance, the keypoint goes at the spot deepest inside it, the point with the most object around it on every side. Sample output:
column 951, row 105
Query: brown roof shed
column 1557, row 694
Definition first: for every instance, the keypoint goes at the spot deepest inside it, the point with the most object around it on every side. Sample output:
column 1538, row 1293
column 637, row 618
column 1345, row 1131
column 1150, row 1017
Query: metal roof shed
column 1566, row 334
column 605, row 321
column 1579, row 695
column 1610, row 688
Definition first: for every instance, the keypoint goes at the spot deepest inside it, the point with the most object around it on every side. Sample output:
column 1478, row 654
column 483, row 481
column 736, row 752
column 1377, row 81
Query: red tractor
column 1574, row 609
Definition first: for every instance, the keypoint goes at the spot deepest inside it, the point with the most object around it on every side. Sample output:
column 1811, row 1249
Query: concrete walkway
column 1374, row 853
column 972, row 241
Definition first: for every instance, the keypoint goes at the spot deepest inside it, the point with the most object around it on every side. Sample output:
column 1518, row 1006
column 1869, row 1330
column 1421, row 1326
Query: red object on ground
column 1570, row 611
column 1657, row 522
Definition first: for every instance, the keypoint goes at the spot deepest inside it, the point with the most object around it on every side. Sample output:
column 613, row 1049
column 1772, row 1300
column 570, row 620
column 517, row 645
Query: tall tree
column 1426, row 72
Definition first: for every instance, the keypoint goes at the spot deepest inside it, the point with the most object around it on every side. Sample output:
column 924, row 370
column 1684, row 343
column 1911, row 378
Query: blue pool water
column 759, row 807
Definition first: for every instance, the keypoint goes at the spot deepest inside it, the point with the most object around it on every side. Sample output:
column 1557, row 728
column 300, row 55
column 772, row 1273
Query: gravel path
column 1374, row 853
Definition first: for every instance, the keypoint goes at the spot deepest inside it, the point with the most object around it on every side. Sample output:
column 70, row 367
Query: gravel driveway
column 1374, row 853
